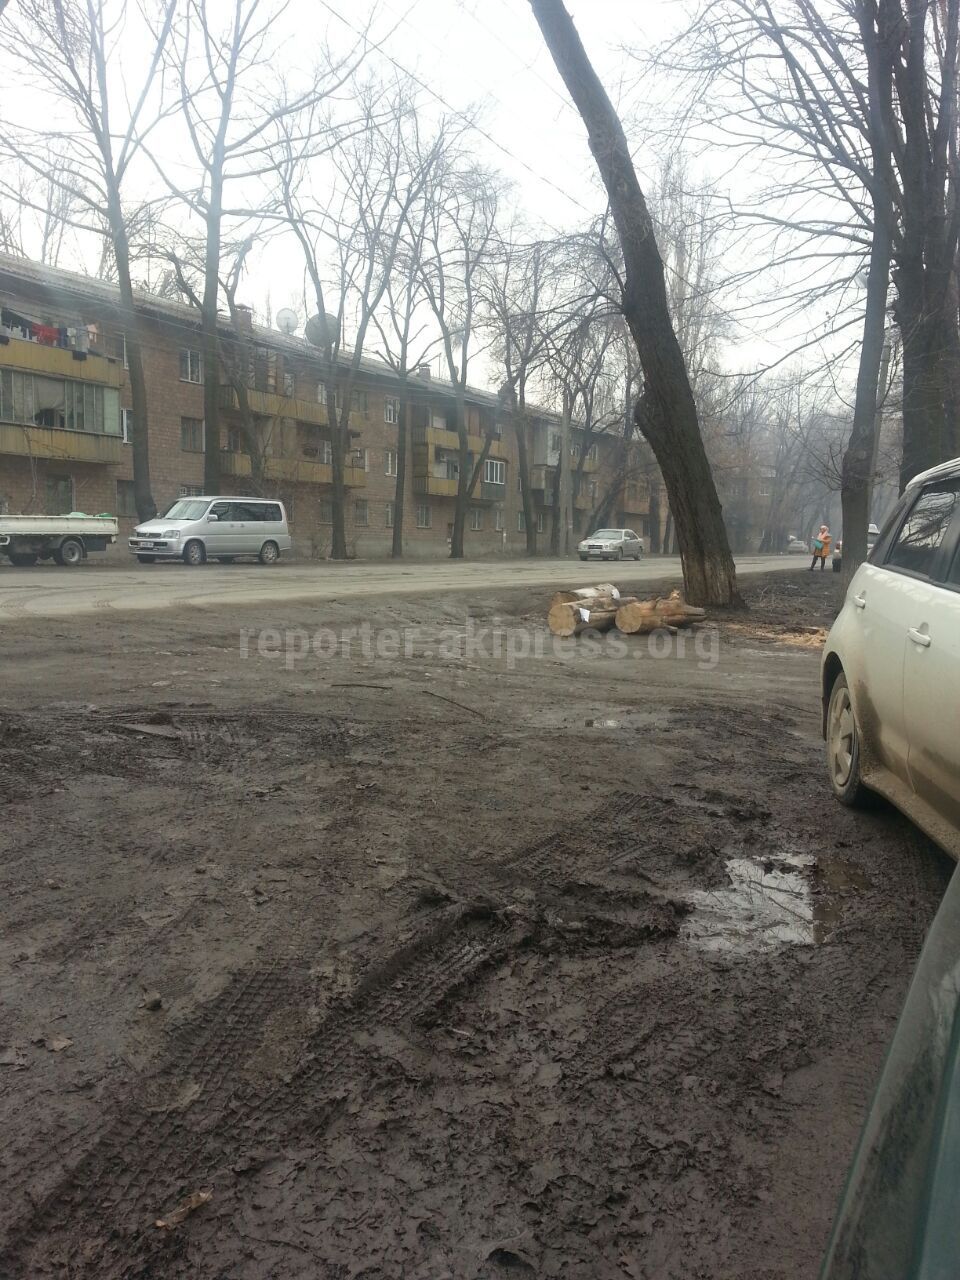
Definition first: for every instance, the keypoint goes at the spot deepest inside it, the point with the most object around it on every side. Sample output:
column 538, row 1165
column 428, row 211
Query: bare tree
column 231, row 120
column 74, row 51
column 458, row 243
column 381, row 171
column 667, row 411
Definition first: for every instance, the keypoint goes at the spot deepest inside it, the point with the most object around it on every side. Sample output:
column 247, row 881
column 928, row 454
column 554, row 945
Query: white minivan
column 891, row 665
column 219, row 528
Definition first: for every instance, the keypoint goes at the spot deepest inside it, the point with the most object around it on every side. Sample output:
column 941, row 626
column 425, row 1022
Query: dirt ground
column 433, row 960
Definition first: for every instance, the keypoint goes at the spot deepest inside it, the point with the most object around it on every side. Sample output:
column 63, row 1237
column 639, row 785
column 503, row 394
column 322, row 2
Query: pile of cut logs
column 602, row 607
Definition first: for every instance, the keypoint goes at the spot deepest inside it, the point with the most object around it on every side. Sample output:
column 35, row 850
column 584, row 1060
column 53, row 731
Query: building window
column 476, row 518
column 118, row 348
column 555, row 441
column 494, row 472
column 289, row 386
column 39, row 401
column 390, row 514
column 358, row 403
column 391, row 410
column 191, row 435
column 390, row 462
column 191, row 366
column 126, row 498
column 575, row 451
column 190, row 491
column 498, row 519
column 325, row 511
column 521, row 522
column 59, row 495
column 126, row 425
column 358, row 459
column 234, row 440
column 541, row 523
column 321, row 393
column 593, row 455
column 423, row 515
column 360, row 512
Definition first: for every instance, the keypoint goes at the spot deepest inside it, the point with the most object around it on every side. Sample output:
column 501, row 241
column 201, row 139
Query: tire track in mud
column 96, row 1218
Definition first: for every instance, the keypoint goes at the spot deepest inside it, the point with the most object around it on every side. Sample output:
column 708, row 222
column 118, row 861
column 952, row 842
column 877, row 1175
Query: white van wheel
column 269, row 553
column 194, row 554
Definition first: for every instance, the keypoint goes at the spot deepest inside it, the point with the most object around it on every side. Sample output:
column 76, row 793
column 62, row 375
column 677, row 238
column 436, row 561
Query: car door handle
column 860, row 601
column 919, row 637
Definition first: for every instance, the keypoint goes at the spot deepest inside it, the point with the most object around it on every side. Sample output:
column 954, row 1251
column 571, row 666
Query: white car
column 797, row 547
column 891, row 665
column 611, row 544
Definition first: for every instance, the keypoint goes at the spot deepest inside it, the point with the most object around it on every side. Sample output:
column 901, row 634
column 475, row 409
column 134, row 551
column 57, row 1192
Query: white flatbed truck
column 64, row 539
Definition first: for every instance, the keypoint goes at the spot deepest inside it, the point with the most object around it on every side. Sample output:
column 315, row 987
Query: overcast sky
column 488, row 56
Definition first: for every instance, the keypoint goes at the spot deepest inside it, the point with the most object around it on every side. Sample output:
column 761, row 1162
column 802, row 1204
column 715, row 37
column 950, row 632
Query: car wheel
column 269, row 553
column 583, row 557
column 843, row 748
column 22, row 559
column 146, row 559
column 70, row 553
column 619, row 555
column 194, row 553
column 837, row 564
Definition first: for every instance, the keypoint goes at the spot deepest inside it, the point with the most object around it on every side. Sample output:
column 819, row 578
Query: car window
column 271, row 511
column 221, row 510
column 916, row 545
column 247, row 511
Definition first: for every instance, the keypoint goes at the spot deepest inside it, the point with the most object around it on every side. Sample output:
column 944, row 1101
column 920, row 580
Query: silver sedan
column 611, row 544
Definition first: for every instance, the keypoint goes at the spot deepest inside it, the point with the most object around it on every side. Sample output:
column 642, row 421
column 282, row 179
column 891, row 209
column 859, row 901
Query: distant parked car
column 797, row 547
column 891, row 665
column 611, row 544
column 224, row 529
column 873, row 533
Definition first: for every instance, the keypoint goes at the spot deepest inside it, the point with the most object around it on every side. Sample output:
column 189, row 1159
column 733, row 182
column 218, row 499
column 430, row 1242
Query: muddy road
column 434, row 954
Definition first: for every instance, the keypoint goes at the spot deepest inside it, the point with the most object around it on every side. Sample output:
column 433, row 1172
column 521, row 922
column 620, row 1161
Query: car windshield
column 186, row 510
column 607, row 533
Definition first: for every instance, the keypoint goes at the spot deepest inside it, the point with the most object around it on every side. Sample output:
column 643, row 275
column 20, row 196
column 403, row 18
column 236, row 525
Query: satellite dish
column 313, row 330
column 287, row 321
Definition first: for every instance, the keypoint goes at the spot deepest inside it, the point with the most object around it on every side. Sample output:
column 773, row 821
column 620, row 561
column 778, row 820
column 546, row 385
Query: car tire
column 583, row 557
column 619, row 555
column 147, row 559
column 843, row 748
column 69, row 553
column 22, row 559
column 194, row 553
column 269, row 553
column 837, row 564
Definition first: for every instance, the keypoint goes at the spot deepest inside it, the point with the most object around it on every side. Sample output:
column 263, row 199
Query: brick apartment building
column 65, row 410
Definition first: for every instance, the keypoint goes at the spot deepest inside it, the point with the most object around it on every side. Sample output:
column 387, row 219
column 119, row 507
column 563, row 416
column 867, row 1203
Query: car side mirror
column 213, row 516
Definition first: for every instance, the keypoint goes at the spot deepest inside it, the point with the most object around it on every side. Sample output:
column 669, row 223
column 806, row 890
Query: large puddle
column 795, row 899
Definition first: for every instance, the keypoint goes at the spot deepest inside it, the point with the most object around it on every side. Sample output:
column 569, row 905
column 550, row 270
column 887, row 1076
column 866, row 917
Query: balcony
column 290, row 470
column 55, row 444
column 54, row 362
column 435, row 486
column 450, row 440
column 266, row 404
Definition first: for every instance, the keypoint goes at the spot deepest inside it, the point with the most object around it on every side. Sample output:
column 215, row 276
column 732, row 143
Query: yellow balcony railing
column 53, row 444
column 444, row 439
column 290, row 470
column 435, row 486
column 55, row 362
column 266, row 404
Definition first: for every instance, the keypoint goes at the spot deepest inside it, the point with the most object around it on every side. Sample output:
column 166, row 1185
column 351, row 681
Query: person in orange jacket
column 821, row 548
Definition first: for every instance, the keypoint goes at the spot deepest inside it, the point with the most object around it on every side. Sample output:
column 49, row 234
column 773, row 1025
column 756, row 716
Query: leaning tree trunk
column 856, row 474
column 671, row 424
